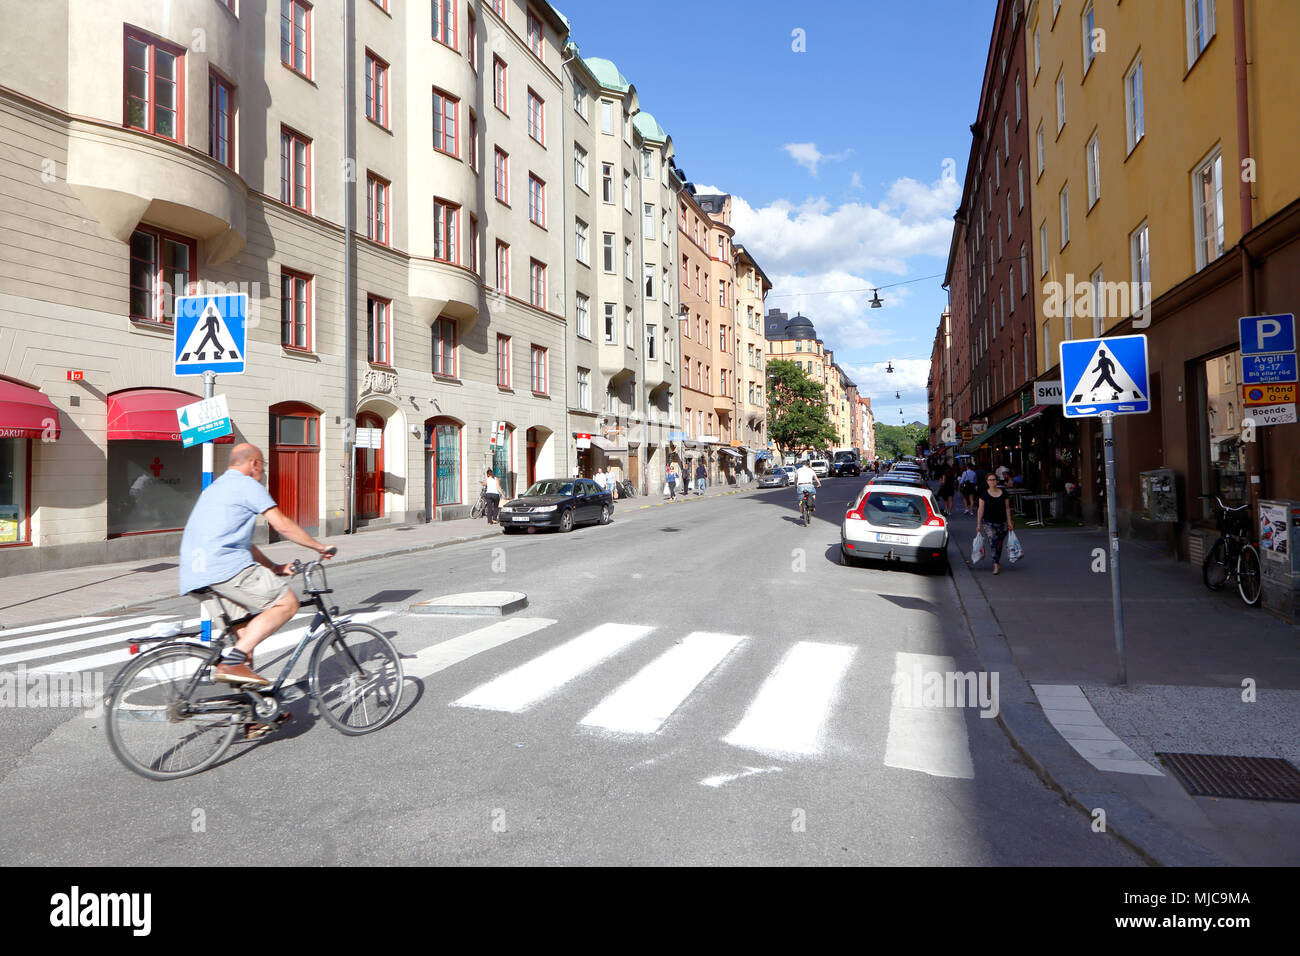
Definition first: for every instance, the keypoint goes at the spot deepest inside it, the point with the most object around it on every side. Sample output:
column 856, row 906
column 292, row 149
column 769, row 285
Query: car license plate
column 519, row 519
column 892, row 538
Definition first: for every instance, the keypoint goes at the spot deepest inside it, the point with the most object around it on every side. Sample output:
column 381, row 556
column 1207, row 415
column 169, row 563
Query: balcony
column 618, row 361
column 441, row 289
column 724, row 404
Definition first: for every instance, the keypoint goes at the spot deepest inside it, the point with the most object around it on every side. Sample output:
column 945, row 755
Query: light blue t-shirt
column 218, row 536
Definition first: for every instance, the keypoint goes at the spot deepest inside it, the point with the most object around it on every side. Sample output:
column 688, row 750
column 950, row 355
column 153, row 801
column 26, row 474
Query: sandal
column 258, row 731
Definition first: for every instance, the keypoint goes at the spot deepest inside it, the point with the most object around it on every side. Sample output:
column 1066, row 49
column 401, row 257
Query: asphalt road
column 700, row 683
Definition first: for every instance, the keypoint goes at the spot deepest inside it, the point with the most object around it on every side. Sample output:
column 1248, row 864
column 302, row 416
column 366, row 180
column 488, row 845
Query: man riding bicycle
column 218, row 554
column 804, row 479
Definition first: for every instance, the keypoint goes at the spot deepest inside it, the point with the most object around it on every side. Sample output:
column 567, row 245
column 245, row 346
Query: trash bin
column 1159, row 495
column 1278, row 525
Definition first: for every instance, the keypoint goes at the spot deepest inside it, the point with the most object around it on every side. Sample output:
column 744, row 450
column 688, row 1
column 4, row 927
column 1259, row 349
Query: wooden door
column 531, row 475
column 369, row 472
column 294, row 463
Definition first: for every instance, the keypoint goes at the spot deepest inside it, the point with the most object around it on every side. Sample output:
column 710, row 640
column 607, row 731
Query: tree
column 893, row 441
column 796, row 408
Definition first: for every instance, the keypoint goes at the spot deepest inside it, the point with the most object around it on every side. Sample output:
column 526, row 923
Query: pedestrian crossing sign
column 1105, row 375
column 211, row 331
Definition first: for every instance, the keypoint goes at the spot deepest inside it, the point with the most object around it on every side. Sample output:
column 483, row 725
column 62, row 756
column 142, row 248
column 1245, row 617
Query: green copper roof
column 556, row 11
column 649, row 128
column 606, row 73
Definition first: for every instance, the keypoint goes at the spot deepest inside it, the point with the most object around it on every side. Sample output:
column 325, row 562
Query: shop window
column 15, row 467
column 503, row 462
column 1223, row 454
column 152, row 485
column 446, row 449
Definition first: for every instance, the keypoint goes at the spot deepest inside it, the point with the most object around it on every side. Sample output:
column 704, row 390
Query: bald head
column 247, row 460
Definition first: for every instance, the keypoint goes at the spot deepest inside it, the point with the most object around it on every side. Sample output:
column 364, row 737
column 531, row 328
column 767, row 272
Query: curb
column 1054, row 761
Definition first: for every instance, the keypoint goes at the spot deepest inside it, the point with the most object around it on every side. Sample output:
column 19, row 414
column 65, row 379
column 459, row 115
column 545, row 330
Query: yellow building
column 795, row 340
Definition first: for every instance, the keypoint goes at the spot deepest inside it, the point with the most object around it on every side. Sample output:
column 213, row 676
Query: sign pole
column 1112, row 522
column 209, row 389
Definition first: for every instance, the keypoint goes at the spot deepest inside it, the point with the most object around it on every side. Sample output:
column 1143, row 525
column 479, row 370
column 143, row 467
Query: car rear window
column 894, row 508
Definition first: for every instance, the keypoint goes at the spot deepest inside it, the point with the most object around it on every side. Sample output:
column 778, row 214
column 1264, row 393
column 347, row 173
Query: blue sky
column 835, row 154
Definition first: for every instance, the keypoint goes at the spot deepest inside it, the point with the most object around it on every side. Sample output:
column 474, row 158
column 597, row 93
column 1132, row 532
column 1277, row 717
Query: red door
column 369, row 470
column 532, row 457
column 294, row 464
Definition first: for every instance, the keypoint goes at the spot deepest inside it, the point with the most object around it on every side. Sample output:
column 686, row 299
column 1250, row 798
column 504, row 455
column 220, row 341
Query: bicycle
column 480, row 508
column 167, row 717
column 1233, row 555
column 807, row 505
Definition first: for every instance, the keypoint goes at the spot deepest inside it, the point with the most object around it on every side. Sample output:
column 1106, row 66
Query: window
column 607, row 252
column 611, row 328
column 534, row 28
column 444, row 22
column 607, row 183
column 501, row 169
column 503, row 361
column 500, row 7
column 1002, row 308
column 1088, row 26
column 580, row 246
column 651, row 337
column 1008, row 224
column 446, row 231
column 503, row 267
column 295, row 310
column 1139, row 245
column 1207, row 202
column 1042, row 249
column 537, row 283
column 648, row 220
column 1047, row 344
column 647, row 164
column 154, row 91
column 584, row 387
column 1017, row 99
column 1038, row 53
column 1134, row 113
column 221, row 120
column 473, row 244
column 1020, row 183
column 1065, row 214
column 1069, row 318
column 471, row 35
column 162, row 266
column 295, row 36
column 295, row 169
column 446, row 112
column 627, row 329
column 473, row 141
column 579, row 167
column 1200, row 27
column 377, row 209
column 607, row 117
column 580, row 99
column 1006, row 141
column 722, row 340
column 1092, row 156
column 1060, row 101
column 627, row 259
column 1024, row 269
column 664, row 284
column 444, row 348
column 627, row 191
column 376, row 90
column 536, row 117
column 499, row 84
column 379, row 331
column 1011, row 287
column 722, row 293
column 649, row 281
column 536, row 201
column 1024, row 350
column 584, row 317
column 1098, row 304
column 1056, row 8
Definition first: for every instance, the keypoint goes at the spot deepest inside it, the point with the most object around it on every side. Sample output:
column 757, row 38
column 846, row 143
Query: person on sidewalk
column 671, row 478
column 601, row 480
column 947, row 487
column 968, row 488
column 218, row 554
column 994, row 517
column 701, row 476
column 492, row 494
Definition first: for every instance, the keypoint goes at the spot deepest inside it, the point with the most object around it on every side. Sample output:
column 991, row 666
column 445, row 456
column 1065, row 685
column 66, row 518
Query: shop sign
column 584, row 441
column 204, row 421
column 1047, row 393
column 977, row 426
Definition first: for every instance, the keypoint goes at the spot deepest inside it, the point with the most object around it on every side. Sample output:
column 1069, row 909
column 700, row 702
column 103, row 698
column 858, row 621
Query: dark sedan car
column 557, row 503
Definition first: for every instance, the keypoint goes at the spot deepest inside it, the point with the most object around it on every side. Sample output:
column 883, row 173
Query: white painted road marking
column 518, row 689
column 929, row 739
column 788, row 716
column 48, row 637
column 644, row 703
column 441, row 656
column 725, row 778
column 122, row 637
column 70, row 622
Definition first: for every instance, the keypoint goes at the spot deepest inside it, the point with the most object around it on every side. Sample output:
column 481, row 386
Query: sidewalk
column 1046, row 625
column 113, row 588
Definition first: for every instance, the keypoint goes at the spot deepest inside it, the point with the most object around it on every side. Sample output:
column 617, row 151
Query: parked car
column 898, row 478
column 557, row 503
column 821, row 467
column 894, row 523
column 844, row 464
column 778, row 477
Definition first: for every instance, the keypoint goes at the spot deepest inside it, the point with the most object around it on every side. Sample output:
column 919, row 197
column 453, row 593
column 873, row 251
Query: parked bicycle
column 168, row 718
column 480, row 507
column 1233, row 556
column 625, row 489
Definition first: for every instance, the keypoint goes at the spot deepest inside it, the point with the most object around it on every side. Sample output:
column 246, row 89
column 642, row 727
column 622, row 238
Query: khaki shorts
column 251, row 591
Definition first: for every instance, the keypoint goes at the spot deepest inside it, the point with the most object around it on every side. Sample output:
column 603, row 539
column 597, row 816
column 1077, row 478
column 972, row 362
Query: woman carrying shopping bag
column 994, row 517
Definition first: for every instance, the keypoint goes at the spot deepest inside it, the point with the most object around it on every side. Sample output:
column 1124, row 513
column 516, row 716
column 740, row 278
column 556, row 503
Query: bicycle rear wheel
column 161, row 729
column 356, row 676
column 479, row 508
column 1214, row 572
column 1248, row 575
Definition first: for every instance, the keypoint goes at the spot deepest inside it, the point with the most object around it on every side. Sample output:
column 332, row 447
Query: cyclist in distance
column 217, row 553
column 804, row 479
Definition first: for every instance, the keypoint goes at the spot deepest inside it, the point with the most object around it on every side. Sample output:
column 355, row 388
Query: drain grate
column 1242, row 778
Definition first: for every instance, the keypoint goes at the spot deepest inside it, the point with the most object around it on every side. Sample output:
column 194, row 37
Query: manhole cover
column 1242, row 778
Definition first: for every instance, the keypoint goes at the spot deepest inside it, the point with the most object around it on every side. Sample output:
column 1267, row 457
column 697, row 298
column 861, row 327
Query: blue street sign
column 1273, row 369
column 1261, row 334
column 1105, row 375
column 211, row 331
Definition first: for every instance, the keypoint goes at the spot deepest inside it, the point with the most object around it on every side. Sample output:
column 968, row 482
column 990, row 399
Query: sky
column 841, row 129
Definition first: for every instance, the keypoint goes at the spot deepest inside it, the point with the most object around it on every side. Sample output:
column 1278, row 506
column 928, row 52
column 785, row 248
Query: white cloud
column 810, row 157
column 855, row 182
column 908, row 379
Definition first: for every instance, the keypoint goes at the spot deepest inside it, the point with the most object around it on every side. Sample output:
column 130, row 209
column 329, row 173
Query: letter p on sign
column 1267, row 334
column 1266, row 329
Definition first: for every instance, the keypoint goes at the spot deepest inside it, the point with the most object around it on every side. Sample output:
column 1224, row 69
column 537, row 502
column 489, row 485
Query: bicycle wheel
column 356, row 676
column 1248, row 575
column 803, row 511
column 1214, row 572
column 162, row 730
column 480, row 506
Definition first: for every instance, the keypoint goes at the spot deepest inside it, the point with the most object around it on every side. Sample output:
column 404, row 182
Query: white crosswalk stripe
column 443, row 655
column 46, row 639
column 924, row 737
column 8, row 632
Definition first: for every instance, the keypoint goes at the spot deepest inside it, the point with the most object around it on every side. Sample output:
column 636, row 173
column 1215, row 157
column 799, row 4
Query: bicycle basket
column 1234, row 522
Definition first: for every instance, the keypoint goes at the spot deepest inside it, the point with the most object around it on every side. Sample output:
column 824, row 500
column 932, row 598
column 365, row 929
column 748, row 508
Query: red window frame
column 221, row 124
column 444, row 32
column 537, row 283
column 377, row 89
column 473, row 244
column 381, row 4
column 500, row 85
column 503, row 361
column 473, row 141
column 500, row 7
column 158, row 276
column 536, row 200
column 292, row 42
column 536, row 34
column 153, row 44
column 288, row 159
column 501, row 172
column 378, row 209
column 446, row 123
column 379, row 352
column 446, row 231
column 536, row 117
column 541, row 378
column 444, row 348
column 290, row 303
column 503, row 267
column 471, row 32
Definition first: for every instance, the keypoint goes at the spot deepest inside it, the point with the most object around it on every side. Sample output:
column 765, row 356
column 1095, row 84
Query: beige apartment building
column 752, row 286
column 407, row 326
column 699, row 417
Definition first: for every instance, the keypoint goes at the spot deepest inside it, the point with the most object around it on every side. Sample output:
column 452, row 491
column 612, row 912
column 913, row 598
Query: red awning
column 149, row 414
column 1029, row 416
column 26, row 413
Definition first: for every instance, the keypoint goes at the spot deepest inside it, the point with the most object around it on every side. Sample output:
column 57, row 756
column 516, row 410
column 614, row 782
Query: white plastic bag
column 666, row 492
column 977, row 549
column 1014, row 551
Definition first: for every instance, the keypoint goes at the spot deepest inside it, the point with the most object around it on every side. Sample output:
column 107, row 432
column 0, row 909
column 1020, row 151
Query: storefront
column 25, row 414
column 443, row 470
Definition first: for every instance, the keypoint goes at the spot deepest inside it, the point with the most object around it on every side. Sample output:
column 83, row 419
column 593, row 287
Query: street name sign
column 1268, row 368
column 211, row 332
column 204, row 421
column 1105, row 375
column 1047, row 392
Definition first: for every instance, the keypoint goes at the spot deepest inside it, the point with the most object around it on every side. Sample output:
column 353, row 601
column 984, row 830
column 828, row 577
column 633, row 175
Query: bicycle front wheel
column 356, row 676
column 1214, row 572
column 479, row 507
column 1248, row 575
column 167, row 718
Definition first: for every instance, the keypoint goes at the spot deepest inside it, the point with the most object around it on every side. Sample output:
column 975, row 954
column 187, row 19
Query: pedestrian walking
column 700, row 478
column 671, row 478
column 601, row 479
column 492, row 494
column 947, row 487
column 1004, row 476
column 994, row 517
column 968, row 489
